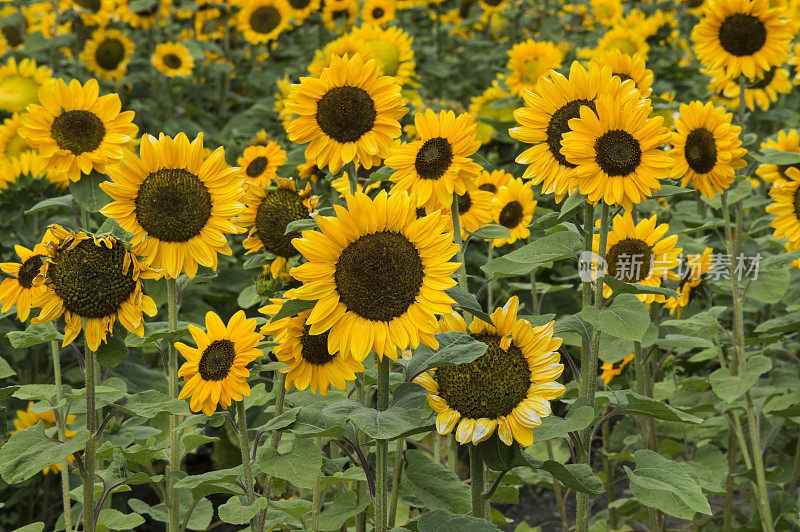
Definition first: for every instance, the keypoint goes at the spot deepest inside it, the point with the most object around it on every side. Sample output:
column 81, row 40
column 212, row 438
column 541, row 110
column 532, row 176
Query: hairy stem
column 244, row 444
column 382, row 451
column 62, row 436
column 89, row 453
column 476, row 473
column 174, row 435
column 275, row 439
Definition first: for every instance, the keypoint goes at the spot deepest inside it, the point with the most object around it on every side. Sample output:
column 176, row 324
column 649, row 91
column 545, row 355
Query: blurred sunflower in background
column 609, row 370
column 785, row 196
column 173, row 59
column 627, row 67
column 137, row 16
column 259, row 164
column 530, row 60
column 787, row 140
column 261, row 21
column 377, row 12
column 482, row 107
column 513, row 208
column 20, row 84
column 762, row 92
column 391, row 47
column 107, row 54
column 606, row 12
column 493, row 181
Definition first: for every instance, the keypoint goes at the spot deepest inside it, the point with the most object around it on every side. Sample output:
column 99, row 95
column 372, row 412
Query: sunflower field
column 407, row 265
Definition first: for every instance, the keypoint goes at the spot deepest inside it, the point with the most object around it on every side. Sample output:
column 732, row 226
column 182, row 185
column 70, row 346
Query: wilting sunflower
column 545, row 119
column 785, row 205
column 607, row 12
column 610, row 370
column 20, row 84
column 480, row 107
column 493, row 181
column 439, row 163
column 706, row 149
column 311, row 364
column 377, row 12
column 639, row 253
column 628, row 67
column 697, row 267
column 530, row 60
column 508, row 388
column 156, row 13
column 261, row 21
column 378, row 275
column 391, row 47
column 742, row 36
column 173, row 59
column 616, row 151
column 513, row 208
column 349, row 113
column 28, row 418
column 215, row 372
column 107, row 54
column 761, row 92
column 94, row 279
column 788, row 140
column 24, row 283
column 267, row 212
column 75, row 129
column 259, row 164
column 177, row 202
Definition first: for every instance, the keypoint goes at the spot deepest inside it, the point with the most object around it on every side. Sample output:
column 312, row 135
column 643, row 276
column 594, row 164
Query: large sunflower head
column 697, row 266
column 261, row 21
column 530, row 60
column 349, row 113
column 107, row 54
column 25, row 279
column 76, row 130
column 215, row 372
column 20, row 84
column 177, row 202
column 787, row 140
column 706, row 149
column 785, row 205
column 391, row 48
column 95, row 279
column 513, row 208
column 628, row 67
column 742, row 36
column 617, row 152
column 378, row 275
column 432, row 168
column 508, row 388
column 259, row 164
column 28, row 418
column 173, row 59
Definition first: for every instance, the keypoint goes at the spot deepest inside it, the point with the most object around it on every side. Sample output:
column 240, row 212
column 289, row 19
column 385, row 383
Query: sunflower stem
column 476, row 482
column 316, row 497
column 62, row 436
column 89, row 452
column 174, row 436
column 382, row 450
column 462, row 269
column 352, row 177
column 275, row 439
column 648, row 438
column 244, row 445
column 489, row 286
column 398, row 473
column 586, row 290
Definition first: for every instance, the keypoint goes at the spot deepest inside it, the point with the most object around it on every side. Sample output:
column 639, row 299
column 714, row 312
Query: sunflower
column 311, row 363
column 261, row 21
column 788, row 141
column 391, row 47
column 622, row 39
column 349, row 113
column 508, row 388
column 95, row 279
column 610, row 370
column 12, row 34
column 742, row 36
column 107, row 54
column 344, row 45
column 493, row 181
column 24, row 283
column 638, row 253
column 173, row 59
column 628, row 67
column 20, row 84
column 545, row 119
column 439, row 163
column 513, row 208
column 342, row 184
column 300, row 10
column 697, row 267
column 93, row 13
column 209, row 24
column 785, row 205
column 12, row 145
column 706, row 149
column 340, row 16
column 761, row 92
column 616, row 151
column 377, row 12
column 663, row 28
column 378, row 275
column 156, row 13
column 177, row 202
column 267, row 212
column 259, row 164
column 474, row 211
column 530, row 60
column 215, row 372
column 482, row 107
column 28, row 418
column 607, row 12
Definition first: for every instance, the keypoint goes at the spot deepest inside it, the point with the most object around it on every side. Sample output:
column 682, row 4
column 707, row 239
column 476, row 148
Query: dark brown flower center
column 630, row 260
column 434, row 158
column 377, row 13
column 299, row 4
column 617, row 152
column 279, row 208
column 216, row 360
column 172, row 61
column 511, row 215
column 265, row 19
column 257, row 166
column 346, row 113
column 29, row 270
column 488, row 187
column 742, row 34
column 173, row 205
column 110, row 53
column 464, row 203
column 315, row 348
column 559, row 124
column 78, row 131
column 765, row 80
column 700, row 150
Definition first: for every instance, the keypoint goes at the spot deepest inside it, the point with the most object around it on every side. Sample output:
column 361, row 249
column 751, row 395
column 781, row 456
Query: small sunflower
column 697, row 267
column 628, row 67
column 177, row 202
column 342, row 184
column 209, row 24
column 391, row 47
column 616, row 151
column 261, row 21
column 12, row 145
column 439, row 163
column 378, row 276
column 493, row 181
column 742, row 36
column 259, row 164
column 20, row 84
column 377, row 12
column 300, row 10
column 25, row 280
column 95, row 279
column 513, row 208
column 607, row 12
column 622, row 39
column 481, row 107
column 267, row 212
column 173, row 60
column 155, row 13
column 530, row 60
column 789, row 141
column 28, row 418
column 706, row 149
column 107, row 54
column 349, row 113
column 639, row 253
column 339, row 17
column 508, row 388
column 474, row 211
column 610, row 370
column 215, row 372
column 785, row 205
column 344, row 45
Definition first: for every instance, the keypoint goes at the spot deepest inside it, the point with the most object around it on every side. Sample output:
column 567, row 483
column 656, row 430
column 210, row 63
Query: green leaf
column 87, row 192
column 666, row 485
column 61, row 201
column 158, row 330
column 491, row 232
column 304, row 224
column 621, row 287
column 33, row 335
column 770, row 286
column 770, row 156
column 292, row 307
column 574, row 323
column 116, row 520
column 442, row 521
column 29, row 450
column 257, row 260
column 403, row 415
column 501, row 457
column 468, row 302
column 455, row 348
column 139, row 6
column 211, row 482
column 575, row 201
column 282, row 421
column 709, row 468
column 786, row 323
column 235, row 512
column 345, row 507
column 36, row 392
column 113, row 351
column 626, row 318
column 555, row 427
column 483, row 161
column 33, row 527
column 384, row 173
column 730, row 387
column 681, row 342
column 578, row 477
column 300, row 467
column 5, row 369
column 639, row 404
column 671, row 190
column 435, row 485
column 702, row 320
column 555, row 246
column 311, row 422
column 546, row 221
column 150, row 403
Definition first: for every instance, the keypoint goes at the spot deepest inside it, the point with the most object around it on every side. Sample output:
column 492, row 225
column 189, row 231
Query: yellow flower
column 788, row 140
column 107, row 54
column 513, row 208
column 302, row 9
column 391, row 47
column 377, row 12
column 697, row 267
column 480, row 107
column 173, row 59
column 784, row 194
column 530, row 60
column 24, row 283
column 261, row 21
column 20, row 84
column 607, row 12
column 493, row 181
column 610, row 370
column 761, row 92
column 144, row 18
column 628, row 67
column 259, row 164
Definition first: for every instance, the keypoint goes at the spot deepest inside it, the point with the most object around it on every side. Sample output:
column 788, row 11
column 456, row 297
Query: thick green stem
column 244, row 445
column 174, row 435
column 62, row 436
column 476, row 473
column 462, row 270
column 398, row 473
column 361, row 489
column 275, row 439
column 586, row 292
column 382, row 451
column 352, row 177
column 89, row 453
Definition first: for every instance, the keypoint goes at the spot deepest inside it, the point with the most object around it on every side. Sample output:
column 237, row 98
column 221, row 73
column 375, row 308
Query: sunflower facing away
column 177, row 202
column 697, row 266
column 616, row 150
column 508, row 388
column 513, row 208
column 706, row 149
column 432, row 168
column 76, row 130
column 28, row 418
column 530, row 60
column 107, row 54
column 742, row 36
column 215, row 372
column 378, row 275
column 173, row 60
column 94, row 279
column 259, row 164
column 20, row 83
column 788, row 140
column 23, row 285
column 261, row 21
column 480, row 107
column 349, row 113
column 785, row 205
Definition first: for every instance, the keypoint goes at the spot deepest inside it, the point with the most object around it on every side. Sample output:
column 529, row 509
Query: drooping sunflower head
column 259, row 164
column 628, row 67
column 261, row 21
column 508, row 388
column 178, row 203
column 215, row 372
column 787, row 140
column 20, row 84
column 513, row 208
column 349, row 113
column 697, row 266
column 107, row 54
column 785, row 205
column 530, row 60
column 377, row 269
column 377, row 12
column 742, row 36
column 28, row 418
column 391, row 48
column 173, row 59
